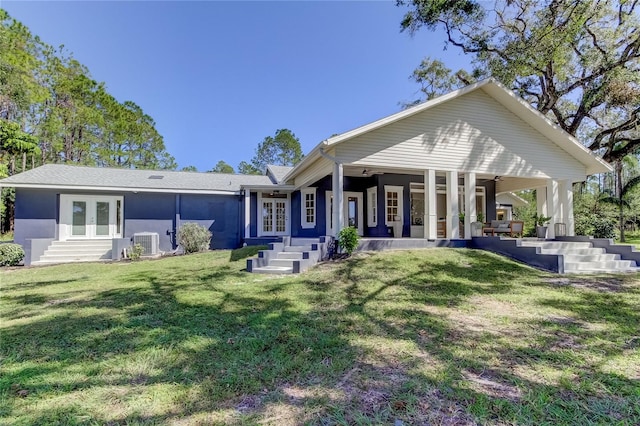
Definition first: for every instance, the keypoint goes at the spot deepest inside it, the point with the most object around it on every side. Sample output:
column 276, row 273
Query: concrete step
column 297, row 248
column 590, row 257
column 580, row 251
column 101, row 243
column 555, row 244
column 293, row 255
column 76, row 249
column 286, row 263
column 273, row 270
column 304, row 241
column 599, row 266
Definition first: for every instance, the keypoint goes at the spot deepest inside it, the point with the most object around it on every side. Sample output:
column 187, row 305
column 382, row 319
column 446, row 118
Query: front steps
column 292, row 256
column 582, row 257
column 76, row 251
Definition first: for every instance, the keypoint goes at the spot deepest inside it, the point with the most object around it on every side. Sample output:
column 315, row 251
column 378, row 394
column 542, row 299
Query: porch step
column 582, row 257
column 76, row 251
column 272, row 270
column 294, row 258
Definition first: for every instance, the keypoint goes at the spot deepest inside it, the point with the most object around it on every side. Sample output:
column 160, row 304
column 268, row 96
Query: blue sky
column 218, row 77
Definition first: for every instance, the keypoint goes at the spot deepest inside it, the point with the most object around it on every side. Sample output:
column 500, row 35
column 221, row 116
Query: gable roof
column 511, row 101
column 64, row 176
column 278, row 172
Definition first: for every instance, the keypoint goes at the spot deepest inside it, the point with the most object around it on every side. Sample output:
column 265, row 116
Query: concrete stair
column 582, row 257
column 292, row 256
column 76, row 251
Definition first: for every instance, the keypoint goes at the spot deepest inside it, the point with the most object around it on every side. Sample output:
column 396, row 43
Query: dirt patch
column 491, row 384
column 610, row 285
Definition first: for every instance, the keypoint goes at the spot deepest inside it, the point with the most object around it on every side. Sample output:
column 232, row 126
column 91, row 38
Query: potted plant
column 541, row 225
column 476, row 227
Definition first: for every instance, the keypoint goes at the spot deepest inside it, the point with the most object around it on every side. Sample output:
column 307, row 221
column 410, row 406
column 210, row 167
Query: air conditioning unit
column 149, row 240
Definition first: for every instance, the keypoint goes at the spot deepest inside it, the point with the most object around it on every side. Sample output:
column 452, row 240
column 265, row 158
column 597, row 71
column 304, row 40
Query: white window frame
column 372, row 207
column 480, row 193
column 400, row 191
column 303, row 207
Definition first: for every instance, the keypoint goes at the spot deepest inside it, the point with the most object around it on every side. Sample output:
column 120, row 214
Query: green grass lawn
column 440, row 336
column 633, row 238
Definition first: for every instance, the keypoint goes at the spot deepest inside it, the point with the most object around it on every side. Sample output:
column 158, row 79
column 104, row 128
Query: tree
column 577, row 62
column 189, row 169
column 222, row 167
column 621, row 201
column 283, row 149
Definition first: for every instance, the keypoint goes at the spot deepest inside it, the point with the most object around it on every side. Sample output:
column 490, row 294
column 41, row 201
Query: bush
column 11, row 254
column 194, row 238
column 595, row 225
column 348, row 239
column 136, row 251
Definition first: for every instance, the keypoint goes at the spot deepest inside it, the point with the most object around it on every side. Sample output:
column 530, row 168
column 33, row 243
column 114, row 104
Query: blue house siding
column 36, row 214
column 220, row 214
column 149, row 212
column 358, row 184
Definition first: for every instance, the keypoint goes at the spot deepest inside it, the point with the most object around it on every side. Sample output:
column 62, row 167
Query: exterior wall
column 221, row 214
column 356, row 184
column 36, row 214
column 319, row 168
column 151, row 212
column 473, row 133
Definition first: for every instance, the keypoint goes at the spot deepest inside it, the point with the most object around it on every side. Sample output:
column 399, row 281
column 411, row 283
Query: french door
column 352, row 208
column 274, row 219
column 89, row 217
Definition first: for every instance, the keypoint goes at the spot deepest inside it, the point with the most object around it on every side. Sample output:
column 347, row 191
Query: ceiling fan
column 497, row 179
column 369, row 172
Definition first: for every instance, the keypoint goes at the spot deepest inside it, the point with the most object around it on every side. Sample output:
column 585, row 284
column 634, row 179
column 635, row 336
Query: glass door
column 275, row 216
column 90, row 216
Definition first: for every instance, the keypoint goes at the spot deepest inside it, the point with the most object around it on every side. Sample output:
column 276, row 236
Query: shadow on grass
column 364, row 341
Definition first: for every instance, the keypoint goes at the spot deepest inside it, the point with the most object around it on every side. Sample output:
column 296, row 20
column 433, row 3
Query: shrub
column 11, row 254
column 595, row 225
column 136, row 251
column 194, row 238
column 348, row 239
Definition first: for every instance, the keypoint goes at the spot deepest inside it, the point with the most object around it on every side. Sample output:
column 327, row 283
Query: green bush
column 348, row 239
column 11, row 254
column 595, row 226
column 194, row 238
column 136, row 251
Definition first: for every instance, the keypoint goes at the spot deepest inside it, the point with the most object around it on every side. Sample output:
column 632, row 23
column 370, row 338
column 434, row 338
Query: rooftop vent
column 156, row 177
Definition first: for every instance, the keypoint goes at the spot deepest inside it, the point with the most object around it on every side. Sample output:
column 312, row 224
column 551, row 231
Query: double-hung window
column 308, row 207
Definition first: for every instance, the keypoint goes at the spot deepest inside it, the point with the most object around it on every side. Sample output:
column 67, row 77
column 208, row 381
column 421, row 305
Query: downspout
column 337, row 186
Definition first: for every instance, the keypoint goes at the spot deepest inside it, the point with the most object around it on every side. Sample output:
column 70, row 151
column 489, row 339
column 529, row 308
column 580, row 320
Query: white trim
column 247, row 214
column 400, row 210
column 66, row 216
column 287, row 226
column 372, row 207
column 121, row 189
column 303, row 207
column 345, row 210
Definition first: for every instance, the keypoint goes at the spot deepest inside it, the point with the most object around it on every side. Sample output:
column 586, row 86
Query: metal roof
column 102, row 178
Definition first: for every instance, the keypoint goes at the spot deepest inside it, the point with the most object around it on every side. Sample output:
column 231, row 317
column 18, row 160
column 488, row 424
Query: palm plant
column 621, row 201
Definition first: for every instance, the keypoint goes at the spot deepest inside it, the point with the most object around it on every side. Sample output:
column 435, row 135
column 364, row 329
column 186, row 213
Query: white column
column 430, row 197
column 566, row 205
column 453, row 220
column 541, row 200
column 338, row 196
column 553, row 206
column 247, row 214
column 470, row 214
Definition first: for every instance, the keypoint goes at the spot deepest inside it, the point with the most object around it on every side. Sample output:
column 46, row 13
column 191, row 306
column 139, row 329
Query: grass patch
column 434, row 336
column 245, row 252
column 6, row 237
column 632, row 238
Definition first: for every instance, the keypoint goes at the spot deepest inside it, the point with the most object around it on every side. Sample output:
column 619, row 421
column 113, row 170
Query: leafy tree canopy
column 577, row 62
column 222, row 167
column 283, row 149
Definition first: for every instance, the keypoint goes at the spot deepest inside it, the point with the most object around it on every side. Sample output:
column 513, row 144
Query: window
column 393, row 203
column 372, row 210
column 308, row 207
column 481, row 207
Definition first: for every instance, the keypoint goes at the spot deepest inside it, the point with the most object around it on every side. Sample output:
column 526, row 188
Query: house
column 408, row 175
